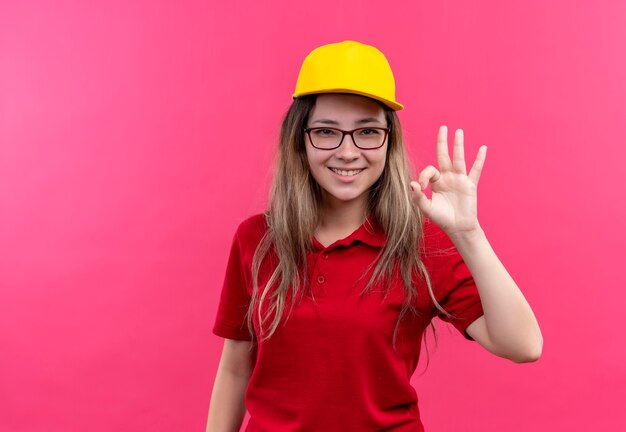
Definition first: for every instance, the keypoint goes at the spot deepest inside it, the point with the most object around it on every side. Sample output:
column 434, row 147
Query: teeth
column 346, row 173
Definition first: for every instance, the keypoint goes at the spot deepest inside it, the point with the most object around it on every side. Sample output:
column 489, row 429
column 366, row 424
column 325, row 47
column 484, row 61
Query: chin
column 344, row 197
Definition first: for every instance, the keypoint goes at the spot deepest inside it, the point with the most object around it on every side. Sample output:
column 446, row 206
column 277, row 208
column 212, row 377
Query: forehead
column 346, row 108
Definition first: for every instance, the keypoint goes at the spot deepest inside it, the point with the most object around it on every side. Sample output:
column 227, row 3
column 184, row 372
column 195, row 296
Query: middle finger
column 459, row 153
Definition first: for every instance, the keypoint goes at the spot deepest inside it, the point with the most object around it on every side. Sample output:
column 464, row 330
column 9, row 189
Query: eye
column 369, row 132
column 325, row 132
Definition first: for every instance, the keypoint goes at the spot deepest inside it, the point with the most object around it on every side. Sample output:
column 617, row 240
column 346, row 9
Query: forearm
column 227, row 409
column 510, row 322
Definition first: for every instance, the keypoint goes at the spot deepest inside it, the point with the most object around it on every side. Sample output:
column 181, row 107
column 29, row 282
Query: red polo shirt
column 332, row 366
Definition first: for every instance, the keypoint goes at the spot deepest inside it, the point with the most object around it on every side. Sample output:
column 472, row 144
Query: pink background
column 135, row 136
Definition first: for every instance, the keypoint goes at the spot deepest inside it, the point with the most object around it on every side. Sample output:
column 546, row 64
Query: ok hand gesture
column 453, row 205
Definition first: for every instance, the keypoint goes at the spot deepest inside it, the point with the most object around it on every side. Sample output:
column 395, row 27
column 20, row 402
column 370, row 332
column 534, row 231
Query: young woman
column 328, row 293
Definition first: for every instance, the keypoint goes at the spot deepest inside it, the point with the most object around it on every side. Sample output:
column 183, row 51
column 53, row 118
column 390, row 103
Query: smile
column 345, row 173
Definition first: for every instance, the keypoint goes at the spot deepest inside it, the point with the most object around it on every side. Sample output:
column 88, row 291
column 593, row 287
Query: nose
column 348, row 150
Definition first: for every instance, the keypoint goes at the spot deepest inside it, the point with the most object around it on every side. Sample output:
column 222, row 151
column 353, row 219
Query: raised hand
column 453, row 205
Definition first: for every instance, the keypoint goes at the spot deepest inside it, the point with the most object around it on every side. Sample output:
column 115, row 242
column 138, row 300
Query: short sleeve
column 454, row 287
column 230, row 321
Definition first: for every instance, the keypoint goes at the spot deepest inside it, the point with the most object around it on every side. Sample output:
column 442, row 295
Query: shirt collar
column 370, row 233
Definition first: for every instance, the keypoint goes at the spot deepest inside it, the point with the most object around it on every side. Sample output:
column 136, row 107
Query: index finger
column 443, row 158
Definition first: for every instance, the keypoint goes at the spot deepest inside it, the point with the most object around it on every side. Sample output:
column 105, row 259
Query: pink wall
column 135, row 136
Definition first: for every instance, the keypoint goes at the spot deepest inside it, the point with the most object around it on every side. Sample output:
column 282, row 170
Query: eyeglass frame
column 344, row 133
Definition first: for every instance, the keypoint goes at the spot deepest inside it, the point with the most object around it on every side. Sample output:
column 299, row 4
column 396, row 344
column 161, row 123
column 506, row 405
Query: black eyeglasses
column 366, row 138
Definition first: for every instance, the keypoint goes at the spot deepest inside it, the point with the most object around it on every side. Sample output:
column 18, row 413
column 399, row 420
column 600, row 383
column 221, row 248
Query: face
column 364, row 167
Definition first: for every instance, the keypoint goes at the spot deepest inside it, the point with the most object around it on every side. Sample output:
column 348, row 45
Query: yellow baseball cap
column 348, row 67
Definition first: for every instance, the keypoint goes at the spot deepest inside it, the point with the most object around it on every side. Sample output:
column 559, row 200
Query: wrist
column 468, row 236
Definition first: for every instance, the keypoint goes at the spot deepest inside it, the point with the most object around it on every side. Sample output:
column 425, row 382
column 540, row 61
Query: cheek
column 314, row 164
column 378, row 162
column 310, row 158
column 316, row 167
column 378, row 166
column 316, row 160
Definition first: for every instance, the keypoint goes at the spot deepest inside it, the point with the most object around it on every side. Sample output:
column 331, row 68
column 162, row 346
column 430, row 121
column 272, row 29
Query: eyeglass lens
column 326, row 138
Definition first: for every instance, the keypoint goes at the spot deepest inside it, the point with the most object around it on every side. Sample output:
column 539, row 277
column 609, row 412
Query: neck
column 341, row 215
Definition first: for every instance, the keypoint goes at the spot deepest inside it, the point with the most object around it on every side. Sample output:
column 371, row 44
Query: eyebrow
column 358, row 122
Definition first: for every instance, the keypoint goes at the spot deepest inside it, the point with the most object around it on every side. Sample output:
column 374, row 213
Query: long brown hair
column 294, row 214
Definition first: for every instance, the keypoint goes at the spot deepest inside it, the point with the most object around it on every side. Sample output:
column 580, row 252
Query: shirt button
column 320, row 279
column 325, row 255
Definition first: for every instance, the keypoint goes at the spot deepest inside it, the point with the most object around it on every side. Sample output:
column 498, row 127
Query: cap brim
column 391, row 104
